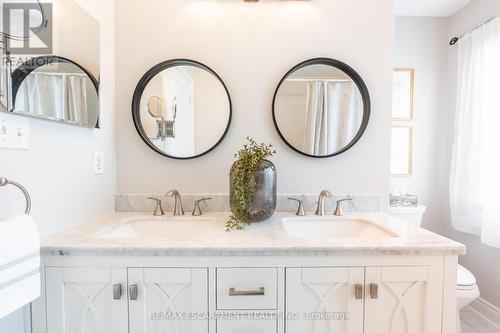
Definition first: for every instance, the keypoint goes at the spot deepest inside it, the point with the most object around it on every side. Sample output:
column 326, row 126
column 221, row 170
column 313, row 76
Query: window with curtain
column 475, row 168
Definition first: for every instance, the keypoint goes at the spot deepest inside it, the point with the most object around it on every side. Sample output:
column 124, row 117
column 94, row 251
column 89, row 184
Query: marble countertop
column 117, row 235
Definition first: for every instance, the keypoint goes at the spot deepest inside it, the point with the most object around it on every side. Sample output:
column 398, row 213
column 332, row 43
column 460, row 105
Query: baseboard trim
column 486, row 310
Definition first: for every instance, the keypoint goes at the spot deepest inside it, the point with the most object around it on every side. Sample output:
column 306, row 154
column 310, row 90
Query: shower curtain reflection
column 332, row 116
column 57, row 96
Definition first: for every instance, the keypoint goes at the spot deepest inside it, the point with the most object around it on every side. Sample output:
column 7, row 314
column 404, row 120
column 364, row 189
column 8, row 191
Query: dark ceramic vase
column 264, row 193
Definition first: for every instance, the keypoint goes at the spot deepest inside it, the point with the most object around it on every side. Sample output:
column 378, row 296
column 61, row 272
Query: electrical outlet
column 98, row 163
column 14, row 132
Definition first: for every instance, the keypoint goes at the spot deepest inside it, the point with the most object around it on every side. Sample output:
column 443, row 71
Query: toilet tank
column 412, row 215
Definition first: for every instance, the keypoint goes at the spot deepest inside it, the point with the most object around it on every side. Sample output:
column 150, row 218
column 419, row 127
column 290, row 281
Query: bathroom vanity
column 134, row 273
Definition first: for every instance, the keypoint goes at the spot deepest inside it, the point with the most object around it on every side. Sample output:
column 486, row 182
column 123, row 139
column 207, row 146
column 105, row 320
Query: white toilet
column 467, row 289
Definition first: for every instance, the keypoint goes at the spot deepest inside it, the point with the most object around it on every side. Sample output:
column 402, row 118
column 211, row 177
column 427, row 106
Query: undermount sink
column 331, row 227
column 163, row 227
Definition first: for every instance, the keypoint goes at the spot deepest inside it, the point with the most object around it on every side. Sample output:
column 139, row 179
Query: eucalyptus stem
column 249, row 159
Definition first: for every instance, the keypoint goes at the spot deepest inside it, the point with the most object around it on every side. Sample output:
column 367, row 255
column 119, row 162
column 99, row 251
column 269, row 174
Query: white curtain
column 475, row 168
column 42, row 95
column 62, row 97
column 76, row 108
column 316, row 118
column 333, row 116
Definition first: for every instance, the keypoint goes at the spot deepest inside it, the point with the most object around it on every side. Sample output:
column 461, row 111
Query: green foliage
column 249, row 159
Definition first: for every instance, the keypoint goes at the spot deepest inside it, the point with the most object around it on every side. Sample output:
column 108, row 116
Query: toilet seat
column 465, row 279
column 466, row 288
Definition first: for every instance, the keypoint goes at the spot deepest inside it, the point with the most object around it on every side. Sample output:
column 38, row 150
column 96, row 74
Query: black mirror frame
column 25, row 69
column 147, row 77
column 362, row 88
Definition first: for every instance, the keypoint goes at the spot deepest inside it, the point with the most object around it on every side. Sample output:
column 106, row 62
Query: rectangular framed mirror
column 52, row 73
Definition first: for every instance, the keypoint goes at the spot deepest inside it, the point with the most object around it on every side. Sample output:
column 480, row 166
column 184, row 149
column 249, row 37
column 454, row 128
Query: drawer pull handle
column 117, row 291
column 134, row 292
column 373, row 291
column 358, row 291
column 260, row 292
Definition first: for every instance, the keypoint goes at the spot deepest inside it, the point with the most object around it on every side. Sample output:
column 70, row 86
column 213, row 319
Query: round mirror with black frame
column 181, row 109
column 321, row 107
column 56, row 88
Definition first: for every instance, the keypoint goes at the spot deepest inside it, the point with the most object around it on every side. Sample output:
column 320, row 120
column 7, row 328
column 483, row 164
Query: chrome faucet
column 320, row 211
column 178, row 211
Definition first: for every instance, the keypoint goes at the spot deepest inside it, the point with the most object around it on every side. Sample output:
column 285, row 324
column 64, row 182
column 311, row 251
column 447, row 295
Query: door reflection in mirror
column 183, row 110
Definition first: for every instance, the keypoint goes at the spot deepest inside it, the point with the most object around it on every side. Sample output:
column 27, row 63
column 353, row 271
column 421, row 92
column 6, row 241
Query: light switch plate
column 98, row 163
column 14, row 132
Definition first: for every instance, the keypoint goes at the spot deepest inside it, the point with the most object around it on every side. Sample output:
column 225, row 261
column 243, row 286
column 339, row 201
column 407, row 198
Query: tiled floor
column 474, row 323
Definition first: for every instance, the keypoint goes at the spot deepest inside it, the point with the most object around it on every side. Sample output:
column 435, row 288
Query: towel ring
column 4, row 181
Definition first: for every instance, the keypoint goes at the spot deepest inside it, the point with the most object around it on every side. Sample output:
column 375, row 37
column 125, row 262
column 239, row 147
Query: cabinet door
column 403, row 299
column 323, row 300
column 83, row 300
column 168, row 300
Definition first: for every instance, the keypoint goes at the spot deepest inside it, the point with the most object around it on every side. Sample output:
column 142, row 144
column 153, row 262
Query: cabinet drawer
column 247, row 288
column 246, row 326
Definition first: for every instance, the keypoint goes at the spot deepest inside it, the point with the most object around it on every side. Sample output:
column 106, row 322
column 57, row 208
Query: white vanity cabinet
column 369, row 300
column 85, row 300
column 250, row 296
column 134, row 300
column 168, row 300
column 404, row 299
column 315, row 294
column 333, row 292
column 366, row 273
column 250, row 325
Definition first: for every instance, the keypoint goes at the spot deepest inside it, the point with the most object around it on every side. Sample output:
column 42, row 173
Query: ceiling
column 438, row 8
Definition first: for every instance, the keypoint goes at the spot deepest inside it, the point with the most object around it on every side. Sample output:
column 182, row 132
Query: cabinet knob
column 373, row 290
column 133, row 292
column 358, row 291
column 117, row 291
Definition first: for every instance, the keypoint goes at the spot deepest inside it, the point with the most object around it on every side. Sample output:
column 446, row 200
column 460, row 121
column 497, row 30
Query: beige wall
column 251, row 46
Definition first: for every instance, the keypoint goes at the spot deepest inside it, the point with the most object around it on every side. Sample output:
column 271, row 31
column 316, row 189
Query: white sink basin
column 330, row 227
column 164, row 227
